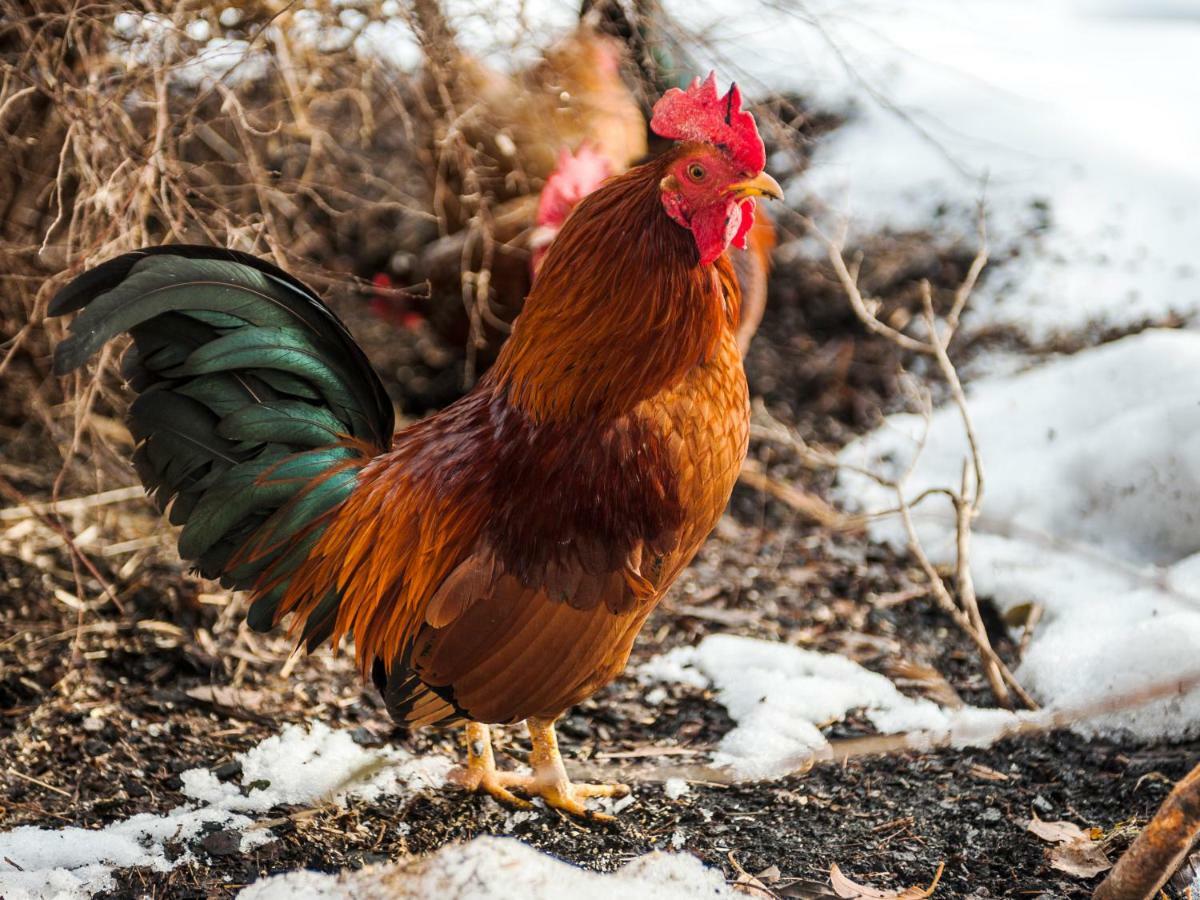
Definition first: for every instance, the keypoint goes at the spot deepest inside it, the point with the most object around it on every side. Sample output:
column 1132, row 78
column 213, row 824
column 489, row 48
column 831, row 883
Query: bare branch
column 1160, row 848
column 967, row 498
column 862, row 308
column 839, row 752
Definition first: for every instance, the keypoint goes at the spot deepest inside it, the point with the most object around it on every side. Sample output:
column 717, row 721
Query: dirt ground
column 96, row 720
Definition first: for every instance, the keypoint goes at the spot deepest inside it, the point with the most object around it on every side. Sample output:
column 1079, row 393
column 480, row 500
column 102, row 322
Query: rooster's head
column 716, row 172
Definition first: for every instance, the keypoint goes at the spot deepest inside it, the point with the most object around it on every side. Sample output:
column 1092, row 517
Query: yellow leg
column 480, row 773
column 549, row 779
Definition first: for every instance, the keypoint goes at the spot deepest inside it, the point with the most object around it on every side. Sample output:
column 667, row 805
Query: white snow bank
column 1080, row 114
column 492, row 868
column 201, row 61
column 781, row 696
column 299, row 766
column 1091, row 508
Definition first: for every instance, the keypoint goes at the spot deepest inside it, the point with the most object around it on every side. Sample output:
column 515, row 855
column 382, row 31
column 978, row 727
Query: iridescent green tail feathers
column 255, row 413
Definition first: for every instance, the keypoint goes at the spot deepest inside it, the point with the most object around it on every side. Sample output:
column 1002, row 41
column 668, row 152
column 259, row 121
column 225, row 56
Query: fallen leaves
column 852, row 890
column 1076, row 852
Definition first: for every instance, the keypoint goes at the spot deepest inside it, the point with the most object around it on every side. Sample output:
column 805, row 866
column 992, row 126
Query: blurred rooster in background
column 493, row 562
column 565, row 125
column 495, row 140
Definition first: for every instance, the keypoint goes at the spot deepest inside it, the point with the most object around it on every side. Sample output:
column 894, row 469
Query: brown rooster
column 493, row 562
column 496, row 136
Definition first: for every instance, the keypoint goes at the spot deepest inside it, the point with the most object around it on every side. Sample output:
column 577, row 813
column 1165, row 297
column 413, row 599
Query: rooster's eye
column 696, row 172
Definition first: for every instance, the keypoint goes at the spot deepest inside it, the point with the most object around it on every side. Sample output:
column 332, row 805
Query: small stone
column 222, row 843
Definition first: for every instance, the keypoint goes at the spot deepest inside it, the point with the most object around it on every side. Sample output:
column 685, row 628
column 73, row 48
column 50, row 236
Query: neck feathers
column 621, row 308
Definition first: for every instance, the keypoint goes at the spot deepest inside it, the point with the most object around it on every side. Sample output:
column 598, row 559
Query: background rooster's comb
column 698, row 114
column 576, row 175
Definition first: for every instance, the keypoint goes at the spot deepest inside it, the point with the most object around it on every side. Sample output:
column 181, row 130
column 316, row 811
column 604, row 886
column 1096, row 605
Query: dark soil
column 98, row 713
column 886, row 821
column 96, row 723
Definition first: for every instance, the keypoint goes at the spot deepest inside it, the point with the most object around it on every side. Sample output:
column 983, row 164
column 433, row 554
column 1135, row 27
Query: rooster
column 493, row 562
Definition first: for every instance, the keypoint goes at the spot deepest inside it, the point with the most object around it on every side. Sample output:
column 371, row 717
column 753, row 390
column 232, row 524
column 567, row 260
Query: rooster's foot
column 548, row 780
column 480, row 772
column 562, row 793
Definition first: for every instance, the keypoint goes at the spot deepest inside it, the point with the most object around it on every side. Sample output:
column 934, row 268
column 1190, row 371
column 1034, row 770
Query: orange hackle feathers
column 498, row 561
column 586, row 343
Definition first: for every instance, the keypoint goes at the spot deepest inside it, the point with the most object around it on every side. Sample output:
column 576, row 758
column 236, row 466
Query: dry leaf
column 1055, row 832
column 747, row 883
column 986, row 773
column 1083, row 858
column 928, row 680
column 770, row 874
column 851, row 890
column 1076, row 854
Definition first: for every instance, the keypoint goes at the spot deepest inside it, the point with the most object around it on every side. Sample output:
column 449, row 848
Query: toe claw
column 548, row 781
column 507, row 797
column 602, row 790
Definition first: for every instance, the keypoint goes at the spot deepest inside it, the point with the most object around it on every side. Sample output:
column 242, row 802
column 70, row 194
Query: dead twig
column 73, row 505
column 1161, row 847
column 968, row 496
column 1024, row 724
column 77, row 555
column 810, row 506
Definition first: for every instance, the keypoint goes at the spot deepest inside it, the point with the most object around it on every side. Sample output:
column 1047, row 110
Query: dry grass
column 111, row 139
column 293, row 144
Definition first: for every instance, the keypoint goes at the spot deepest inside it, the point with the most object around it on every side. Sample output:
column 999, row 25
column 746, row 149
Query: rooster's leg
column 480, row 773
column 549, row 779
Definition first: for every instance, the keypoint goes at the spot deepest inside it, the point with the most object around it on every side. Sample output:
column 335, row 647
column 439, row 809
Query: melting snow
column 152, row 39
column 675, row 788
column 781, row 696
column 299, row 766
column 1090, row 163
column 490, row 868
column 1091, row 508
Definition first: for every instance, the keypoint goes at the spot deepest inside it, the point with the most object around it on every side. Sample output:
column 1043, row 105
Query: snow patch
column 1091, row 509
column 299, row 766
column 492, row 868
column 675, row 788
column 781, row 696
column 1090, row 166
column 196, row 59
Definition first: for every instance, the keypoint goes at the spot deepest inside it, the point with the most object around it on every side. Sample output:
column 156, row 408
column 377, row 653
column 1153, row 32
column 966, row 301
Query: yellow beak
column 762, row 186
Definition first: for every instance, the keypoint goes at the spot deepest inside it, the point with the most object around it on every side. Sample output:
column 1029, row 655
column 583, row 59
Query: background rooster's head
column 717, row 171
column 576, row 175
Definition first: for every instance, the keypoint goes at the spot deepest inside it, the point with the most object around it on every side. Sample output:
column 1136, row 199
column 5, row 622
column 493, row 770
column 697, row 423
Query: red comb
column 698, row 114
column 574, row 177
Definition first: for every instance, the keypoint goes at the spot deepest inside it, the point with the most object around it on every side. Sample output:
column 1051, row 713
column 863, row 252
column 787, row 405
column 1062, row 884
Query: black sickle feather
column 248, row 388
column 108, row 275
